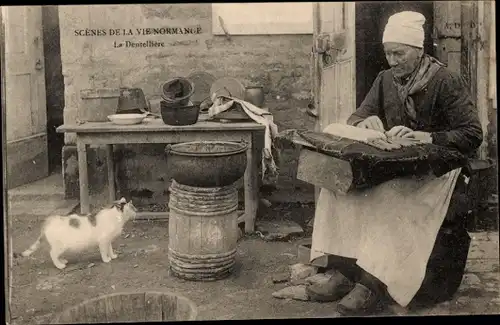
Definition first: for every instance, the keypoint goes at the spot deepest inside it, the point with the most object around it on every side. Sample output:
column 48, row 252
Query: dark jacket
column 444, row 108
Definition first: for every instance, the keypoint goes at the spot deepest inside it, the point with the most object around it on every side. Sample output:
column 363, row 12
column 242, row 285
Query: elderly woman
column 382, row 237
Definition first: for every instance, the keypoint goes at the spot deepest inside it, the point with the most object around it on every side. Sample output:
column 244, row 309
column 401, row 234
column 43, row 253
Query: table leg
column 251, row 187
column 83, row 177
column 111, row 172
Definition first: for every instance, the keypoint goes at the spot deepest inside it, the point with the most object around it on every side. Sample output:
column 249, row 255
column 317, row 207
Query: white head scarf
column 405, row 27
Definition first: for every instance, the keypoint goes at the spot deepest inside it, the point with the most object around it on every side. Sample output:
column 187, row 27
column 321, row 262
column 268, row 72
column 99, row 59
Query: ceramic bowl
column 126, row 119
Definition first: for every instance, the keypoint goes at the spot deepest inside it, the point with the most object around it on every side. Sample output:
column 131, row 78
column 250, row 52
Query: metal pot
column 179, row 115
column 177, row 91
column 255, row 95
column 132, row 100
column 207, row 163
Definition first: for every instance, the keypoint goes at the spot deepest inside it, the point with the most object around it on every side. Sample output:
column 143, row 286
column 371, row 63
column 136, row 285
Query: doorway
column 371, row 18
column 54, row 82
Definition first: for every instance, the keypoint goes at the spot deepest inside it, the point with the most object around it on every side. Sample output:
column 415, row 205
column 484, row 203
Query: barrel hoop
column 223, row 209
column 208, row 190
column 197, row 205
column 207, row 270
column 194, row 200
column 203, row 278
column 204, row 257
column 188, row 203
column 199, row 266
column 201, row 263
column 202, row 195
column 203, row 198
column 218, row 210
column 202, row 214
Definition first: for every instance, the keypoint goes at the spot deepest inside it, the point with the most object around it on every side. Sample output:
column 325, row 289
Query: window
column 262, row 18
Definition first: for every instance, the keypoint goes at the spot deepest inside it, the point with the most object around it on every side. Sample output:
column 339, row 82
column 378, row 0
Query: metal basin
column 135, row 307
column 207, row 163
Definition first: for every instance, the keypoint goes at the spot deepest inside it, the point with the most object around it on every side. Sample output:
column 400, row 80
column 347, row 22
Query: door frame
column 8, row 226
column 27, row 152
column 334, row 54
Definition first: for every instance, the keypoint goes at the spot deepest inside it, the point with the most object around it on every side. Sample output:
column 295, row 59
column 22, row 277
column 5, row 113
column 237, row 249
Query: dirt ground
column 40, row 291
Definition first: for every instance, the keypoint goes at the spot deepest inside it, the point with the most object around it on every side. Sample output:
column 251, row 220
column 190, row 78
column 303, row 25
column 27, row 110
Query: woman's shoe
column 360, row 301
column 334, row 289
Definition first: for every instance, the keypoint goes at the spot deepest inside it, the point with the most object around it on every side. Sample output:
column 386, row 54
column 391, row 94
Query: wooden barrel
column 203, row 231
column 130, row 307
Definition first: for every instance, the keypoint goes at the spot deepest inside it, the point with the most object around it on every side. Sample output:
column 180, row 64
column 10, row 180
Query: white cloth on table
column 224, row 103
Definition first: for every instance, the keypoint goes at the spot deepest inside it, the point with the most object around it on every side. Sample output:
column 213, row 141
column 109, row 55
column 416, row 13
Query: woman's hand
column 398, row 131
column 424, row 137
column 372, row 122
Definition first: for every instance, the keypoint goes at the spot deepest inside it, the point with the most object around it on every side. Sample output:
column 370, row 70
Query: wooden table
column 155, row 131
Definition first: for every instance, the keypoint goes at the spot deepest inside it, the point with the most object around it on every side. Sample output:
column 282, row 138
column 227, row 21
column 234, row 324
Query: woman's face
column 402, row 58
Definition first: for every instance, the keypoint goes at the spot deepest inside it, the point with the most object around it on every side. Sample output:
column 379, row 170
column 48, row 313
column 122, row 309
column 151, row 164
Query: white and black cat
column 76, row 233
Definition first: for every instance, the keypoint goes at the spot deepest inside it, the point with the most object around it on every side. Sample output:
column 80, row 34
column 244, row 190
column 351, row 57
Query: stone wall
column 278, row 62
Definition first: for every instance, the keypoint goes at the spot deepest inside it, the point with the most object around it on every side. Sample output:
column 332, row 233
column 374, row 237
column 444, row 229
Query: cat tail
column 31, row 249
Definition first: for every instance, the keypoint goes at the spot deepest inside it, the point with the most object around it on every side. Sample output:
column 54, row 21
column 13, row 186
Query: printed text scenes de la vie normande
column 139, row 32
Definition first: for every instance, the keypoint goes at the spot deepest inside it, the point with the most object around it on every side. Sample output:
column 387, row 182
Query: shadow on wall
column 54, row 83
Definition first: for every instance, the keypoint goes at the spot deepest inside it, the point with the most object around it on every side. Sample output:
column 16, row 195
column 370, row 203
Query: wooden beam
column 316, row 73
column 492, row 92
column 469, row 49
column 482, row 73
column 447, row 33
column 7, row 239
column 316, row 81
column 473, row 63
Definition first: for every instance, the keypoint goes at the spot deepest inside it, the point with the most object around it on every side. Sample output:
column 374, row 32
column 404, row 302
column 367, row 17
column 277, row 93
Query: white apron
column 390, row 229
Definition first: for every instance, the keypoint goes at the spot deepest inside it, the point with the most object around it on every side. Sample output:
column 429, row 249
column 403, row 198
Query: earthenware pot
column 255, row 95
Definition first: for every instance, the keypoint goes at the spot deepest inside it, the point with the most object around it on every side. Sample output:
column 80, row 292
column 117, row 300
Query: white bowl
column 126, row 119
